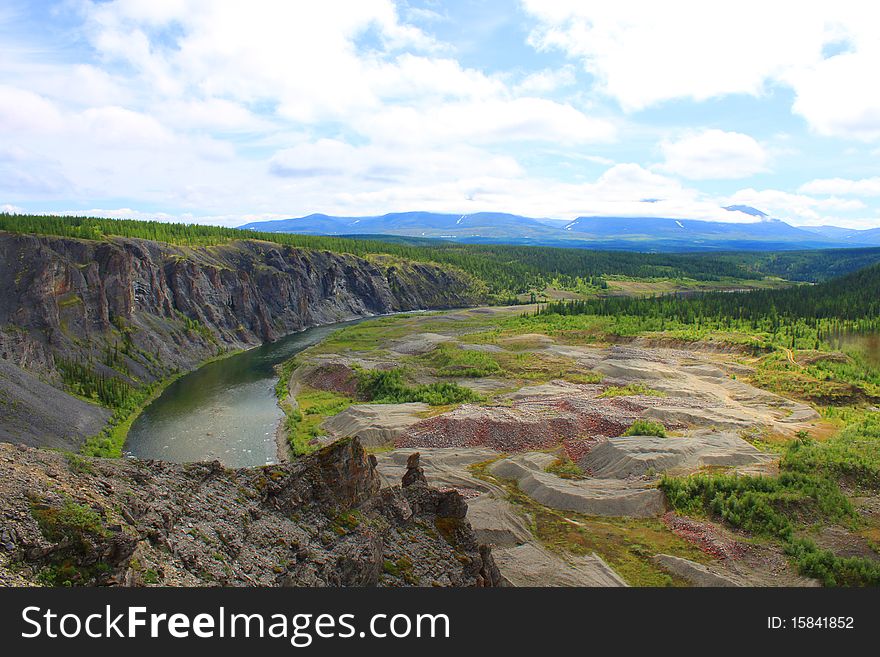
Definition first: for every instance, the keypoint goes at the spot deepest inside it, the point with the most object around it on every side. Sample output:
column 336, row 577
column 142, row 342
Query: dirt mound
column 500, row 428
column 636, row 456
column 556, row 388
column 518, row 554
column 532, row 565
column 539, row 417
column 695, row 573
column 704, row 536
column 375, row 425
column 595, row 497
column 745, row 563
column 419, row 343
column 332, row 377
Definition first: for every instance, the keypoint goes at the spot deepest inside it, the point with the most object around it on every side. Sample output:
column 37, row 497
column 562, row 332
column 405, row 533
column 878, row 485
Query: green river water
column 225, row 410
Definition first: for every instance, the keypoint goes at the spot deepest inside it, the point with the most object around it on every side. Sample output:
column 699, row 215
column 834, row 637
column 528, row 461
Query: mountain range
column 631, row 233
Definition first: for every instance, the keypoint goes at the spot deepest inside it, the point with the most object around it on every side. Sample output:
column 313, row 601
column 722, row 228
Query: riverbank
column 230, row 409
column 282, row 442
column 110, row 443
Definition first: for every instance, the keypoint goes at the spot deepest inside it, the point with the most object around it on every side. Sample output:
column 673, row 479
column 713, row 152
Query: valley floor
column 592, row 459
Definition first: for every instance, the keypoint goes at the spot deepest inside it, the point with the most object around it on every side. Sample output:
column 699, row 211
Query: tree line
column 823, row 312
column 506, row 269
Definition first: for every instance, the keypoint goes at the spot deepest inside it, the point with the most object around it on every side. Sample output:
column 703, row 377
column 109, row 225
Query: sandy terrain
column 524, row 427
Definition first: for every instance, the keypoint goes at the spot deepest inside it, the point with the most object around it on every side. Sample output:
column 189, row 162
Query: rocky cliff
column 321, row 521
column 135, row 311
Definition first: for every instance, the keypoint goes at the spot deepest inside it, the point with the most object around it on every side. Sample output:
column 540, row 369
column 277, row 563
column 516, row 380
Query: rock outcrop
column 321, row 521
column 138, row 310
column 521, row 558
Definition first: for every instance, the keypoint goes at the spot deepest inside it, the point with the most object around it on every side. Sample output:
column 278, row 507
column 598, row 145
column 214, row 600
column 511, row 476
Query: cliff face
column 321, row 521
column 137, row 310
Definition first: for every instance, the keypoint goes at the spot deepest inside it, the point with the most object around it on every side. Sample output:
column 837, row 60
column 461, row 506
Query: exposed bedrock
column 321, row 521
column 162, row 308
column 518, row 554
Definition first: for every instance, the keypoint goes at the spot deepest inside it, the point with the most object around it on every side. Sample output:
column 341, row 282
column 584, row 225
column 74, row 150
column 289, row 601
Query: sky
column 225, row 111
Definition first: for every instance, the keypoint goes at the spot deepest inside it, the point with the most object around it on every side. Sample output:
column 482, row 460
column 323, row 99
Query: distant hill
column 629, row 233
column 416, row 224
column 869, row 237
column 689, row 233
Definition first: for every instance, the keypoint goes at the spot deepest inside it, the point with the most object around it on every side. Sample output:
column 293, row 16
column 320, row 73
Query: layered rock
column 321, row 521
column 159, row 308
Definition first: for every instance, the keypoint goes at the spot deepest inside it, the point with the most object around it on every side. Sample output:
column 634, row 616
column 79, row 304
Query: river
column 224, row 410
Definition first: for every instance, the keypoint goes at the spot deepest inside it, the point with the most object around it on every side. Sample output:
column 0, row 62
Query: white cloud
column 225, row 109
column 619, row 191
column 714, row 154
column 186, row 217
column 622, row 190
column 547, row 80
column 303, row 57
column 428, row 80
column 122, row 127
column 21, row 109
column 25, row 174
column 645, row 53
column 798, row 209
column 210, row 114
column 308, row 61
column 330, row 158
column 837, row 97
column 487, row 121
column 843, row 187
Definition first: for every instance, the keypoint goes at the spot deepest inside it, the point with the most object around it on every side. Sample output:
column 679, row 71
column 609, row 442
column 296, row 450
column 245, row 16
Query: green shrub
column 645, row 428
column 774, row 507
column 565, row 468
column 852, row 456
column 82, row 380
column 630, row 389
column 761, row 505
column 69, row 522
column 78, row 464
column 285, row 371
column 388, row 387
column 451, row 360
column 831, row 570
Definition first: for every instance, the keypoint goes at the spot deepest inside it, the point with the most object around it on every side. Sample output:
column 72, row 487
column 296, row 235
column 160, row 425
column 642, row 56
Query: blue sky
column 225, row 112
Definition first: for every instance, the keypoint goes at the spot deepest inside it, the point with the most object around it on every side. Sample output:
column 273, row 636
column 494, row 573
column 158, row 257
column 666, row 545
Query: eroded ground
column 551, row 452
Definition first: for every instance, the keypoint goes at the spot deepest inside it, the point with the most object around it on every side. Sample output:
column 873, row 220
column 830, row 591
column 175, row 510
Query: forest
column 811, row 266
column 848, row 303
column 506, row 270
